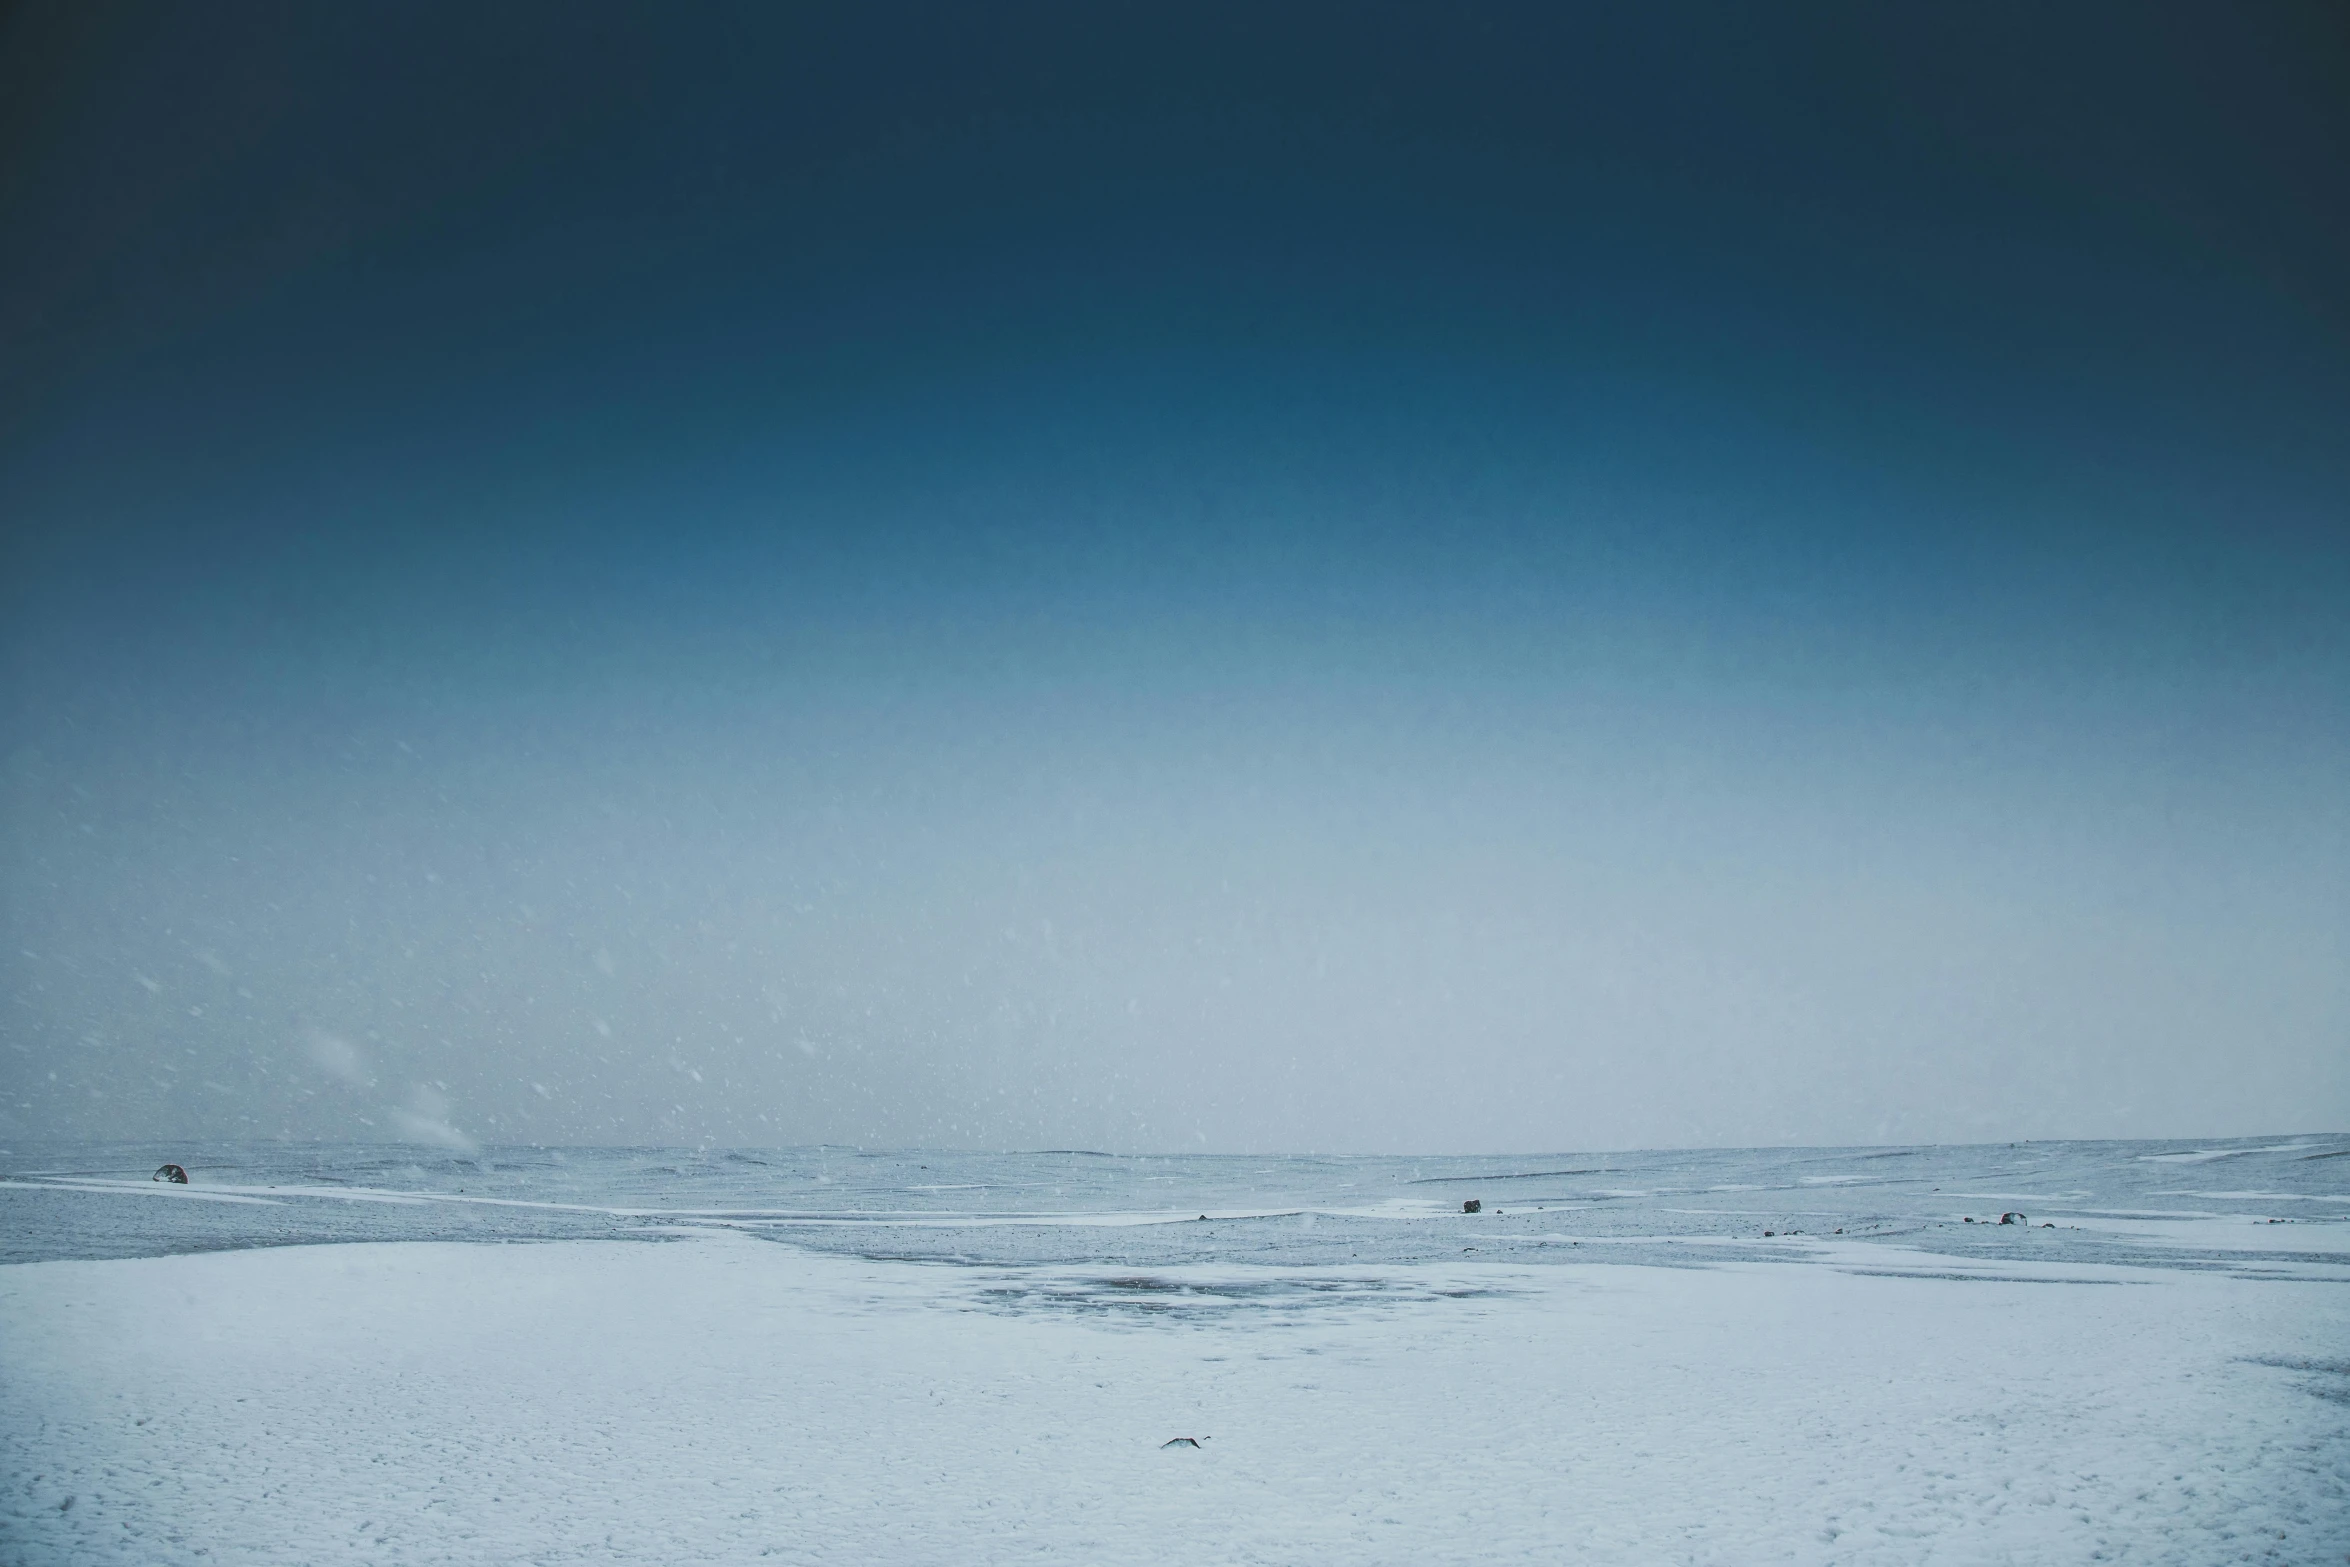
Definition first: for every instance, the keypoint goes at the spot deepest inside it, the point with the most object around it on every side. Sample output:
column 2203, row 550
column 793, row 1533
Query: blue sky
column 1335, row 578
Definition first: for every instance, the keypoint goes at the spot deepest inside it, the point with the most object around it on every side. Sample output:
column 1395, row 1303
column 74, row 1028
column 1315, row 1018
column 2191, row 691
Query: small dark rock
column 1472, row 1206
column 1179, row 1441
column 2013, row 1218
column 172, row 1173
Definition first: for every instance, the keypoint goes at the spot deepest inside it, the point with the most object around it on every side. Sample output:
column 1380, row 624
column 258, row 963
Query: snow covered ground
column 721, row 1398
column 668, row 1357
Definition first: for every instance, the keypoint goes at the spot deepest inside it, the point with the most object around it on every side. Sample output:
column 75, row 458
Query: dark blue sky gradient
column 1362, row 578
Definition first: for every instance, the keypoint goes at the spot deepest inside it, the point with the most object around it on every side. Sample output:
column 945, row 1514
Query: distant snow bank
column 721, row 1398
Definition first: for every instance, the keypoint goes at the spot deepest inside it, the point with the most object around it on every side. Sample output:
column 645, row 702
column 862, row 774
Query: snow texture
column 703, row 1393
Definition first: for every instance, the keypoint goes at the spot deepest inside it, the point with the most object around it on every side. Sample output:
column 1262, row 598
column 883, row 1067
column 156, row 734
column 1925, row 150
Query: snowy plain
column 821, row 1356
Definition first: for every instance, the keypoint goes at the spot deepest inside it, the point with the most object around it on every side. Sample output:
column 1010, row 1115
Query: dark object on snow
column 172, row 1173
column 1203, row 1218
column 1472, row 1206
column 2013, row 1218
column 1179, row 1441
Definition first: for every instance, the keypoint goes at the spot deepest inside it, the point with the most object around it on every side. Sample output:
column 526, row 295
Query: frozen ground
column 971, row 1375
